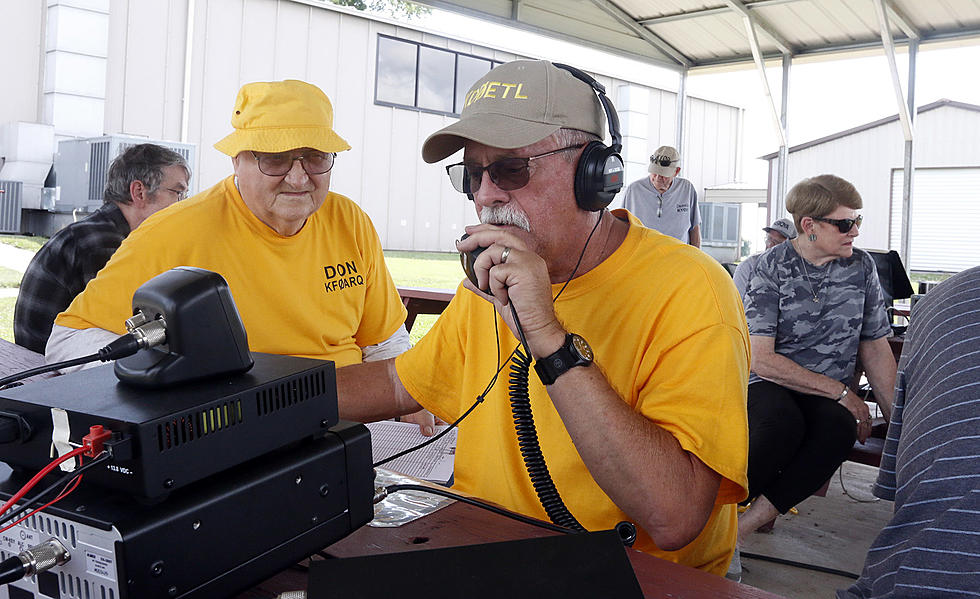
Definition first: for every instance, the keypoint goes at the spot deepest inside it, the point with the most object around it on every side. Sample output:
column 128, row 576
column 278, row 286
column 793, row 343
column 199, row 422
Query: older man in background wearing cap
column 639, row 408
column 664, row 201
column 779, row 231
column 304, row 264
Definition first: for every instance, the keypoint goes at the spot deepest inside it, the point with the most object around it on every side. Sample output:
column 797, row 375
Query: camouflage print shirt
column 823, row 335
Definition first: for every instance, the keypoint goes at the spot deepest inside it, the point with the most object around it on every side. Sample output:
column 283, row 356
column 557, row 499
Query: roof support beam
column 681, row 115
column 760, row 65
column 782, row 165
column 760, row 25
column 515, row 10
column 694, row 14
column 909, row 178
column 889, row 44
column 903, row 22
column 655, row 40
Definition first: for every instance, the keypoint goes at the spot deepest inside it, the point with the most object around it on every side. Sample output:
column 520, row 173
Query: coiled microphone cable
column 527, row 436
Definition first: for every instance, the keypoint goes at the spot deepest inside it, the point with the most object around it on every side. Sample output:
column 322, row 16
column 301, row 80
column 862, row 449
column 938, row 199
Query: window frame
column 418, row 46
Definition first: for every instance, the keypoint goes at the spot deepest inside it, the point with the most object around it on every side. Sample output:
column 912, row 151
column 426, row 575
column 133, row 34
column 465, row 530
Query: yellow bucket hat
column 278, row 116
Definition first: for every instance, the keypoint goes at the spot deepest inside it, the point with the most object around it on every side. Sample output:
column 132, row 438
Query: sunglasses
column 507, row 174
column 280, row 163
column 843, row 224
column 662, row 160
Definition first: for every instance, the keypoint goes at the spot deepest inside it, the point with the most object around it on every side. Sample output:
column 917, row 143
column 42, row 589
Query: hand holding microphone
column 501, row 269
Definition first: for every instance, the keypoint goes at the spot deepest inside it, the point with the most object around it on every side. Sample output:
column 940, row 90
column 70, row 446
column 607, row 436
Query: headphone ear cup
column 598, row 177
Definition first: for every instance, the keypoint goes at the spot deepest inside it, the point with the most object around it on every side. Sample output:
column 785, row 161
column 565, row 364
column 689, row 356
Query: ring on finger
column 504, row 254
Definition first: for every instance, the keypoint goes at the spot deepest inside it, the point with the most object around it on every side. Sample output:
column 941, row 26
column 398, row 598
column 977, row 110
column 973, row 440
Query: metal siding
column 940, row 193
column 291, row 41
column 383, row 172
column 895, row 234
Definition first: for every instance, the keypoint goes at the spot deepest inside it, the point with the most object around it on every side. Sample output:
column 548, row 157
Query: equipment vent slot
column 183, row 429
column 275, row 398
column 99, row 160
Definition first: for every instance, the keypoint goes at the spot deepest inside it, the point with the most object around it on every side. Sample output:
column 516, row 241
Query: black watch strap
column 574, row 352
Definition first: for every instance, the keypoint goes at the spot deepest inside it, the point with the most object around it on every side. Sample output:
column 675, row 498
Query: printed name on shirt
column 341, row 276
column 683, row 208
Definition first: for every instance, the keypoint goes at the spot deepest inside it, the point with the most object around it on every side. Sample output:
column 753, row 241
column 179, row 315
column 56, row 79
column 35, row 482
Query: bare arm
column 694, row 236
column 785, row 372
column 372, row 391
column 880, row 368
column 640, row 466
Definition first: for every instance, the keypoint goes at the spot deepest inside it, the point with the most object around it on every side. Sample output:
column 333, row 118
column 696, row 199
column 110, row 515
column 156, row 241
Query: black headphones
column 599, row 175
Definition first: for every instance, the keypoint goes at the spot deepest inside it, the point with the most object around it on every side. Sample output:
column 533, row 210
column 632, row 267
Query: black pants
column 796, row 442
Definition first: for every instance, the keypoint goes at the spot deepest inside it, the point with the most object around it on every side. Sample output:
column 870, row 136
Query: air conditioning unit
column 81, row 167
column 11, row 198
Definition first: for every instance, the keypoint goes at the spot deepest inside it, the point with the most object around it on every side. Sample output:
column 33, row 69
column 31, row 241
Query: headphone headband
column 599, row 174
column 611, row 117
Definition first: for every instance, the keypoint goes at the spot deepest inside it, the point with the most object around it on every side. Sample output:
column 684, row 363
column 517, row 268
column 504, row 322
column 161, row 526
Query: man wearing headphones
column 638, row 407
column 664, row 201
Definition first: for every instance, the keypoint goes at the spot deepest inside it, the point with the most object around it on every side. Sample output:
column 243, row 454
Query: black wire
column 47, row 368
column 121, row 347
column 804, row 565
column 478, row 401
column 64, row 480
column 477, row 503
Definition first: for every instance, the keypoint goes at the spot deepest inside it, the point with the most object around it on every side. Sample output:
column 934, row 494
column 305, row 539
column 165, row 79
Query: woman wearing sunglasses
column 814, row 305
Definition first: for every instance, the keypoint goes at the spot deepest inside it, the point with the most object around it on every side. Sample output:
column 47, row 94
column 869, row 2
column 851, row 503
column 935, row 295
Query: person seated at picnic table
column 814, row 305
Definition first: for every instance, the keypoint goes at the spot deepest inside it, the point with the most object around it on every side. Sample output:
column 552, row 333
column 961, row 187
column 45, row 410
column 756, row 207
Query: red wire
column 37, row 477
column 64, row 493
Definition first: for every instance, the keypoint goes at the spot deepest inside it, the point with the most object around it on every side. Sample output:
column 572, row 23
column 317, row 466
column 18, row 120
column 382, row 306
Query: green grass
column 434, row 270
column 9, row 277
column 24, row 242
column 7, row 318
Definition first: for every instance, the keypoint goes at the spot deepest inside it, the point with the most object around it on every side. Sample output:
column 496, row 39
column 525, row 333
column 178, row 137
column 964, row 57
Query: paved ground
column 14, row 258
column 833, row 531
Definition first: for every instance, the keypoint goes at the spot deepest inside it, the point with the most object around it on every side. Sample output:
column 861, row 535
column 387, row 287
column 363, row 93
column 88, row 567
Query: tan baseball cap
column 277, row 116
column 517, row 104
column 664, row 161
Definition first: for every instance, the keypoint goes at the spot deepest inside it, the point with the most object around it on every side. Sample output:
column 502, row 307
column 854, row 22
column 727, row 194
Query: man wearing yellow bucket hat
column 304, row 264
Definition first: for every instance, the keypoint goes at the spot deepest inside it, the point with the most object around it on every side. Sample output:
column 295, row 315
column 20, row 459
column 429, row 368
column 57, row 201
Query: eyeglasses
column 507, row 174
column 662, row 160
column 278, row 164
column 843, row 224
column 181, row 195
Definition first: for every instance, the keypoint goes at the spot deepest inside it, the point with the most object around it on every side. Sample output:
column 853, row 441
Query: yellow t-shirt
column 322, row 293
column 666, row 325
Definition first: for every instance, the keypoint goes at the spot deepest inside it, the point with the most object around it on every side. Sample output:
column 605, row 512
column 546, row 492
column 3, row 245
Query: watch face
column 582, row 347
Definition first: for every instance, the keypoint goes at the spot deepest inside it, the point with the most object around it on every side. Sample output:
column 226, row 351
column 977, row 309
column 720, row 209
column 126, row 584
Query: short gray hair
column 143, row 162
column 572, row 137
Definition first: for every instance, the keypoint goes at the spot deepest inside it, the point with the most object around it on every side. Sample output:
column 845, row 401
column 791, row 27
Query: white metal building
column 170, row 70
column 946, row 185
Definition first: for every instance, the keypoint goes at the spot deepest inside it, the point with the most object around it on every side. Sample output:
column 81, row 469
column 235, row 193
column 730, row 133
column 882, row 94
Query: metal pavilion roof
column 691, row 34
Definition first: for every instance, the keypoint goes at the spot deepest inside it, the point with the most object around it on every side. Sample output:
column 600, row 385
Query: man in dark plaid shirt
column 141, row 180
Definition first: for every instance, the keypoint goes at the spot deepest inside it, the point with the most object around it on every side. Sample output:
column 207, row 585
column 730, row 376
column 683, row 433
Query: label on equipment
column 18, row 539
column 100, row 565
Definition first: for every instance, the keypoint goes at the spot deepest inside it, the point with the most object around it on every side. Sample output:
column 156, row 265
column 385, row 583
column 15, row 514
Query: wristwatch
column 574, row 352
column 844, row 392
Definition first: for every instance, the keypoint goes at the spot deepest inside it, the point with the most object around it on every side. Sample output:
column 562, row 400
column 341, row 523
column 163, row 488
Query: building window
column 426, row 78
column 719, row 224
